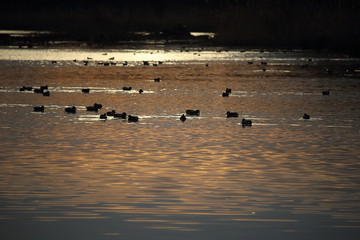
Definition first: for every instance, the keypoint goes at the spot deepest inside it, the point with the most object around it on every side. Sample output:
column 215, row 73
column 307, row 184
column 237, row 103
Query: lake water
column 74, row 176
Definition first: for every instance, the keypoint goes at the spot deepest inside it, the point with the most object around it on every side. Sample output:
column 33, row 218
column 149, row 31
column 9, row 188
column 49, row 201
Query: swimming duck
column 193, row 112
column 306, row 116
column 231, row 114
column 327, row 92
column 70, row 109
column 39, row 109
column 24, row 88
column 133, row 118
column 103, row 116
column 85, row 90
column 120, row 115
column 126, row 88
column 246, row 122
column 47, row 93
column 183, row 118
column 225, row 94
column 157, row 79
column 112, row 113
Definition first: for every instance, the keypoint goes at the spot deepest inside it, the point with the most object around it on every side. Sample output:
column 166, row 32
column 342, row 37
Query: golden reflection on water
column 160, row 167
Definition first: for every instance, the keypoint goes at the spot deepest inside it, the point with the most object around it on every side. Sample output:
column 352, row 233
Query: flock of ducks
column 96, row 106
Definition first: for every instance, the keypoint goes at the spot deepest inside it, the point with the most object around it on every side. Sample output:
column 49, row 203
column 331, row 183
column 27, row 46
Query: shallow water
column 74, row 176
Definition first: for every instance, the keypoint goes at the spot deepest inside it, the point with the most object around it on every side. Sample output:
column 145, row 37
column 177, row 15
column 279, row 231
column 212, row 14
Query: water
column 74, row 176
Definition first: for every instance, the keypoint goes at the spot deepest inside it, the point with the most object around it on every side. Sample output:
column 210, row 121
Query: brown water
column 74, row 176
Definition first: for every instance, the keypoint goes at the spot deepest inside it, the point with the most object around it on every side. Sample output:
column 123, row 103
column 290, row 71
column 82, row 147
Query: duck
column 39, row 109
column 98, row 105
column 306, row 116
column 24, row 88
column 70, row 109
column 103, row 116
column 231, row 114
column 146, row 63
column 141, row 91
column 47, row 93
column 120, row 115
column 157, row 79
column 183, row 118
column 112, row 113
column 85, row 90
column 38, row 90
column 327, row 92
column 225, row 94
column 92, row 109
column 246, row 122
column 126, row 88
column 193, row 112
column 44, row 87
column 228, row 90
column 133, row 118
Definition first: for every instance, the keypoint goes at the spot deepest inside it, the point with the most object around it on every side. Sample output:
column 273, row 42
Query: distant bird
column 44, row 87
column 231, row 114
column 245, row 122
column 141, row 91
column 225, row 94
column 47, row 93
column 183, row 118
column 126, row 88
column 125, row 63
column 85, row 90
column 228, row 90
column 70, row 109
column 306, row 116
column 157, row 79
column 98, row 105
column 120, row 115
column 103, row 116
column 327, row 92
column 92, row 109
column 133, row 118
column 112, row 113
column 38, row 90
column 112, row 58
column 24, row 88
column 39, row 109
column 193, row 112
column 146, row 63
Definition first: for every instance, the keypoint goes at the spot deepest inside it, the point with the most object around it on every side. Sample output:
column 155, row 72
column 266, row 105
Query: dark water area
column 76, row 176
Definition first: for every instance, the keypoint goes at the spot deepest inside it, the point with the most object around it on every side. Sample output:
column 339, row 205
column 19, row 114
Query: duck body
column 70, row 109
column 120, row 115
column 191, row 112
column 103, row 116
column 133, row 118
column 39, row 109
column 231, row 114
column 183, row 118
column 246, row 122
column 306, row 116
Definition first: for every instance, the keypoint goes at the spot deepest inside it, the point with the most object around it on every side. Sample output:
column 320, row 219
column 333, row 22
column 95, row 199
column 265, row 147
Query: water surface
column 74, row 176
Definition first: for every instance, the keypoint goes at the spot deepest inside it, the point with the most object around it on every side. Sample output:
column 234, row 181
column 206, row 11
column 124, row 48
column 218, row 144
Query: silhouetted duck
column 126, row 88
column 306, row 116
column 193, row 112
column 39, row 109
column 228, row 90
column 47, row 93
column 183, row 118
column 231, row 114
column 85, row 90
column 112, row 113
column 246, row 122
column 133, row 118
column 125, row 63
column 92, row 109
column 141, row 91
column 44, row 87
column 146, row 63
column 24, row 88
column 38, row 90
column 120, row 115
column 157, row 79
column 70, row 109
column 98, row 105
column 225, row 94
column 327, row 92
column 103, row 116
